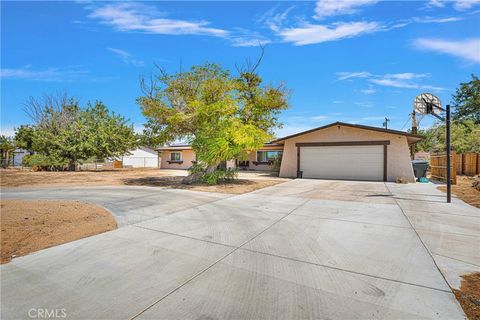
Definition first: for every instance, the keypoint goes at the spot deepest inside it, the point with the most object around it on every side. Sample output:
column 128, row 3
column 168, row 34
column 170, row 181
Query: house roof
column 188, row 147
column 147, row 149
column 412, row 138
column 175, row 147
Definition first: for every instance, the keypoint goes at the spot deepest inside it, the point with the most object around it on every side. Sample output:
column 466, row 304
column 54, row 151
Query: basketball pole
column 449, row 162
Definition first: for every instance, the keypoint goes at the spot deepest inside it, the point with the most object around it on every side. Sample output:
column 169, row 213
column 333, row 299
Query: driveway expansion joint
column 215, row 263
column 345, row 270
column 421, row 241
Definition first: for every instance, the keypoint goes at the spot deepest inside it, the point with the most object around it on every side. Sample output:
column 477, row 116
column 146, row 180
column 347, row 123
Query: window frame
column 176, row 152
column 267, row 158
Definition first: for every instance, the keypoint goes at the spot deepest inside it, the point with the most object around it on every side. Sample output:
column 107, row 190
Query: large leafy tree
column 223, row 116
column 465, row 137
column 466, row 101
column 64, row 132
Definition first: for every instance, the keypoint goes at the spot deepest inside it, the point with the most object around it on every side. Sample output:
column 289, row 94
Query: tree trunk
column 7, row 158
column 72, row 165
column 197, row 177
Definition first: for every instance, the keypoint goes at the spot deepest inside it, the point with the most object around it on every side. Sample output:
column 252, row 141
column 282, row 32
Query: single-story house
column 142, row 157
column 183, row 156
column 335, row 151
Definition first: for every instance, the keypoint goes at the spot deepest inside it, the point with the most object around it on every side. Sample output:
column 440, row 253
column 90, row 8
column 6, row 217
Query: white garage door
column 342, row 162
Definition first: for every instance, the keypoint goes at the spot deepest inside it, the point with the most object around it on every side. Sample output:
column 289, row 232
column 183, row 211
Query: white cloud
column 460, row 5
column 274, row 20
column 463, row 5
column 248, row 42
column 127, row 57
column 368, row 91
column 349, row 75
column 241, row 37
column 436, row 19
column 328, row 8
column 436, row 4
column 49, row 74
column 467, row 49
column 394, row 83
column 315, row 33
column 144, row 18
column 406, row 75
column 406, row 80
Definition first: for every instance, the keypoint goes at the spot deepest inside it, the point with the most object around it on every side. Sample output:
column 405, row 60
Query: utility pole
column 449, row 163
column 414, row 131
column 385, row 123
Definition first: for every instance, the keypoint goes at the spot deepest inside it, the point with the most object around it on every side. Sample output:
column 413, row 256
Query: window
column 175, row 156
column 267, row 156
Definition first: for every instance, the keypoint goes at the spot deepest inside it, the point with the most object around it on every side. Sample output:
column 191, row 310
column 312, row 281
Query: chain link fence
column 98, row 165
column 127, row 162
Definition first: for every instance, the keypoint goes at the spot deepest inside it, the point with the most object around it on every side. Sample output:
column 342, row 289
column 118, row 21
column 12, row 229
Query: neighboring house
column 18, row 155
column 335, row 151
column 142, row 157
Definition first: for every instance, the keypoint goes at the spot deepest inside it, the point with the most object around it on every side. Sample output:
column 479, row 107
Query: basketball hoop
column 427, row 103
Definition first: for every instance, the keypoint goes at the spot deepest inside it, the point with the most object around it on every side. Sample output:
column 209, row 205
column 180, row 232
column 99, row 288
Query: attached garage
column 346, row 162
column 348, row 152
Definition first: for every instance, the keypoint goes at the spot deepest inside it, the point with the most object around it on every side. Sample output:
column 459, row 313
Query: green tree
column 466, row 101
column 65, row 132
column 106, row 134
column 7, row 145
column 223, row 116
column 465, row 137
column 24, row 136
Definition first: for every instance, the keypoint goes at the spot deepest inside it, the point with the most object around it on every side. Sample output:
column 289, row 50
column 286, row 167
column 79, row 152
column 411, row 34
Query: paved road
column 301, row 249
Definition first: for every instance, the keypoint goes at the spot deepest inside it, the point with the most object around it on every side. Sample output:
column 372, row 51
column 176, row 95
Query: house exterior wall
column 398, row 155
column 253, row 158
column 187, row 157
column 140, row 159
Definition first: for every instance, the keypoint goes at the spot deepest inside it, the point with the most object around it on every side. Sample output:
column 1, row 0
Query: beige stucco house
column 182, row 157
column 335, row 151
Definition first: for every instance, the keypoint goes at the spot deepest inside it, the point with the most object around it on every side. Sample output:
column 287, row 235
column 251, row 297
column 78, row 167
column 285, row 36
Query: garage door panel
column 342, row 162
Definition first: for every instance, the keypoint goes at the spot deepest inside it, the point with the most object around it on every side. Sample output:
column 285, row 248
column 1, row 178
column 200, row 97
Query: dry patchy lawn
column 469, row 295
column 31, row 225
column 464, row 191
column 247, row 182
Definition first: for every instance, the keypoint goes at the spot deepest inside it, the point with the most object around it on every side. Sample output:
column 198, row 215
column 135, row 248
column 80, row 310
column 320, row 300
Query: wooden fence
column 467, row 164
column 438, row 166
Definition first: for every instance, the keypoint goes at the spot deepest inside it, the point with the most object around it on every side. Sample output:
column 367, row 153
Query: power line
column 406, row 122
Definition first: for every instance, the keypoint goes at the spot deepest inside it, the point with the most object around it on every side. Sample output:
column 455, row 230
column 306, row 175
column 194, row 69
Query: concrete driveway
column 300, row 249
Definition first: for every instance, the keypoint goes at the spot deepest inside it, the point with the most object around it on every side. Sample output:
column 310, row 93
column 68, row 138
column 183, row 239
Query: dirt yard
column 247, row 182
column 469, row 295
column 464, row 190
column 29, row 226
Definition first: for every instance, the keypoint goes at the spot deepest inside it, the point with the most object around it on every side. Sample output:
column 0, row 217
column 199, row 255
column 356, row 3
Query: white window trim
column 179, row 152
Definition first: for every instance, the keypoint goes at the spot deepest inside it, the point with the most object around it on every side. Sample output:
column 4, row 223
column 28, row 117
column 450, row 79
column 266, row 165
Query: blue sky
column 352, row 61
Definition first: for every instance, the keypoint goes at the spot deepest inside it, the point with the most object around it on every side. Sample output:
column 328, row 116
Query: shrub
column 220, row 175
column 40, row 162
